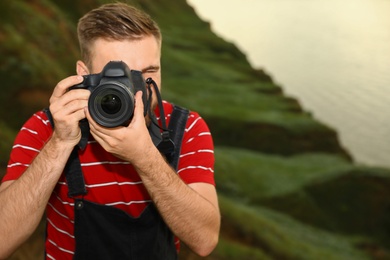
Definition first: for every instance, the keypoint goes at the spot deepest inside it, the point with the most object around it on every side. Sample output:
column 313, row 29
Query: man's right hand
column 67, row 109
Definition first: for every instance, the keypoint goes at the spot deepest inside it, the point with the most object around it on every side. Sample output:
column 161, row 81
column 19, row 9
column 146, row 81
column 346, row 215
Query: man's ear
column 81, row 68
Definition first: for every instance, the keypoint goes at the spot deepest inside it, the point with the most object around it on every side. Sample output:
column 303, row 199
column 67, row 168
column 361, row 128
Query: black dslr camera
column 112, row 102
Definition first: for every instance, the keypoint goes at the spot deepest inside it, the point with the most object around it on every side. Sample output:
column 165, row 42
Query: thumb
column 139, row 106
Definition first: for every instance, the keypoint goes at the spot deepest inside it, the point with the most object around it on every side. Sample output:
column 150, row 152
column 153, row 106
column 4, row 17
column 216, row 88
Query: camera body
column 112, row 99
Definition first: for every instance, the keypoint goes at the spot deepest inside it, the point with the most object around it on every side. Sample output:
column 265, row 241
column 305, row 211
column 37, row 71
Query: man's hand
column 67, row 109
column 131, row 143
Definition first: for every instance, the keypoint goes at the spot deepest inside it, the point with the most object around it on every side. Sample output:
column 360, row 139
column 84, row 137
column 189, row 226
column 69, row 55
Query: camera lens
column 111, row 104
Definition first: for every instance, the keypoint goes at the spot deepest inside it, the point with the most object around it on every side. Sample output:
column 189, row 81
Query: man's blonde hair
column 117, row 21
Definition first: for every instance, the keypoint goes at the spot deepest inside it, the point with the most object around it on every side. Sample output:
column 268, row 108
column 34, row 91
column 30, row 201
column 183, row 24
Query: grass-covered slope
column 288, row 190
column 200, row 71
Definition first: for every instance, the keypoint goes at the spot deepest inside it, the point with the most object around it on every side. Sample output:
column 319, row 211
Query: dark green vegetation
column 287, row 189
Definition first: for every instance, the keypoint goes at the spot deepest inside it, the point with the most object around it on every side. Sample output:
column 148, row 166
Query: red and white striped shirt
column 109, row 180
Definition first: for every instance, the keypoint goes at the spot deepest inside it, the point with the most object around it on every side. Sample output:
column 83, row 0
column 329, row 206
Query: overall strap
column 73, row 173
column 176, row 127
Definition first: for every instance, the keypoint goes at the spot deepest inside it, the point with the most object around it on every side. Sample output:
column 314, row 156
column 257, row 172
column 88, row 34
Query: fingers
column 67, row 108
column 73, row 111
column 64, row 103
column 124, row 142
column 108, row 138
column 63, row 86
column 139, row 107
column 72, row 101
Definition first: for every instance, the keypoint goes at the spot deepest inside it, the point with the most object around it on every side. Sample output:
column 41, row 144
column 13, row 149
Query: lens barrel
column 111, row 104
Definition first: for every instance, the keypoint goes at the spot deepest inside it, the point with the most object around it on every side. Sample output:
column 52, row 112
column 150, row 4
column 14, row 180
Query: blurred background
column 334, row 56
column 294, row 93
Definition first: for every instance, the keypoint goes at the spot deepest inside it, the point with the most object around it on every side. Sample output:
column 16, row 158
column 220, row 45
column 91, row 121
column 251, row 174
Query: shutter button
column 79, row 205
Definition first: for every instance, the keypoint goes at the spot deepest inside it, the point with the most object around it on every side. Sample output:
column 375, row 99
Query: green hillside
column 287, row 189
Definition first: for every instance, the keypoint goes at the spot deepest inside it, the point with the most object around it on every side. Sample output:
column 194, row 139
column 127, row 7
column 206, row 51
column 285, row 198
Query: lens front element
column 111, row 104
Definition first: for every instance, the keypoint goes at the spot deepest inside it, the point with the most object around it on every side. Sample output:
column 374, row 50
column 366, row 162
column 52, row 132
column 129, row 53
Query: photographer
column 133, row 204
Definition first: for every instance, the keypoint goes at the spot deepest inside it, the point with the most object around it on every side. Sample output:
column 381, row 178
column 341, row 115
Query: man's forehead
column 137, row 54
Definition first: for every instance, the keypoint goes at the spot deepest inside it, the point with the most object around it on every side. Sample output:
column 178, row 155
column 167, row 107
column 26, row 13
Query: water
column 332, row 55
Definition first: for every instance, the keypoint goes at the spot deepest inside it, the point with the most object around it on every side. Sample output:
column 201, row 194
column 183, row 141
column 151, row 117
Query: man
column 135, row 202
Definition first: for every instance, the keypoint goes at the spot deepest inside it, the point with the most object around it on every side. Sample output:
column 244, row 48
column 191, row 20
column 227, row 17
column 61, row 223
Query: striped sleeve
column 27, row 145
column 197, row 153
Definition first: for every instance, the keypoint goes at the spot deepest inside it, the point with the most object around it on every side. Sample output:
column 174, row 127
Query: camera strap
column 167, row 139
column 169, row 142
column 160, row 139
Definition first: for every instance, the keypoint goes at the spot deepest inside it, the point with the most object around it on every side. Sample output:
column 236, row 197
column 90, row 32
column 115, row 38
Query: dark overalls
column 105, row 232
